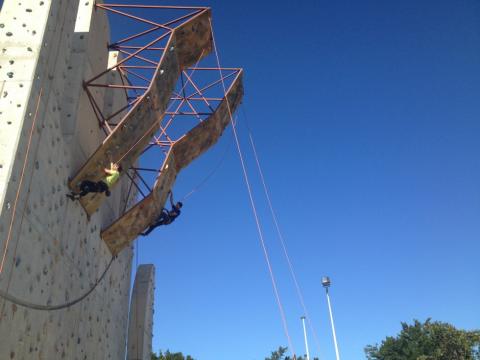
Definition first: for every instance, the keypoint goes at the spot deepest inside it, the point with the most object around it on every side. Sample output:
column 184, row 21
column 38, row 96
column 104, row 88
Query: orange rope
column 10, row 229
column 157, row 121
column 136, row 297
column 254, row 209
column 284, row 246
column 210, row 174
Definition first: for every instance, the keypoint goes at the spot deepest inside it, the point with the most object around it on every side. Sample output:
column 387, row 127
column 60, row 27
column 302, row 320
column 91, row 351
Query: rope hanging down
column 281, row 237
column 27, row 152
column 155, row 123
column 30, row 305
column 210, row 174
column 254, row 209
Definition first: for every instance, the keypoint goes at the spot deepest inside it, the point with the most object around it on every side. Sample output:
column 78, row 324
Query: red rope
column 155, row 122
column 284, row 246
column 136, row 297
column 210, row 174
column 10, row 229
column 254, row 209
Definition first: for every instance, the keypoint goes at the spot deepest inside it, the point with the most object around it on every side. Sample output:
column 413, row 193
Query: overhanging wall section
column 194, row 143
column 187, row 44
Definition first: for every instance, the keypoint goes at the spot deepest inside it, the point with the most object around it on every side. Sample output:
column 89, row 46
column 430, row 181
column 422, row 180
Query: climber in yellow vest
column 103, row 186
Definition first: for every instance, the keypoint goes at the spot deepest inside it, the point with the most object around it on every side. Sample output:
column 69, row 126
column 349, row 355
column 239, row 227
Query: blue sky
column 366, row 120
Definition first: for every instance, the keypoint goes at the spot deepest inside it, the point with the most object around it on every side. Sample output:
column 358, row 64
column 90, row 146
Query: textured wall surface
column 190, row 146
column 54, row 252
column 140, row 325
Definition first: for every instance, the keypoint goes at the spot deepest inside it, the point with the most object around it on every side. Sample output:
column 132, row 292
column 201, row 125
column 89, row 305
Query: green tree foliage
column 428, row 341
column 280, row 355
column 167, row 355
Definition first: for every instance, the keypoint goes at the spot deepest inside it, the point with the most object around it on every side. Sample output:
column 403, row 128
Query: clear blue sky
column 367, row 120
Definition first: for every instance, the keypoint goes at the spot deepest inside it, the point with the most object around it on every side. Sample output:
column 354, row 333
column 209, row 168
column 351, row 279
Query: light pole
column 305, row 336
column 326, row 284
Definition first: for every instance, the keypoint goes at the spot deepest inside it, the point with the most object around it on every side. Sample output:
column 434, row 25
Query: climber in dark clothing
column 88, row 186
column 166, row 217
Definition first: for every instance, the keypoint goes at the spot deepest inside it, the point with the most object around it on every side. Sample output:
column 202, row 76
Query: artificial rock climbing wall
column 53, row 253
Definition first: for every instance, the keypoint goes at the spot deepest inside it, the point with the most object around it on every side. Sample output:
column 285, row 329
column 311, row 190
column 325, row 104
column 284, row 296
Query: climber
column 166, row 216
column 87, row 186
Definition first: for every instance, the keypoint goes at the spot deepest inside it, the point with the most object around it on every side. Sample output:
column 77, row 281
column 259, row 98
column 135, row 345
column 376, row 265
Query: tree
column 427, row 341
column 170, row 356
column 280, row 355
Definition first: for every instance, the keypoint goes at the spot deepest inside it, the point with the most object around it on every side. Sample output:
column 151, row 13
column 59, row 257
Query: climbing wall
column 52, row 253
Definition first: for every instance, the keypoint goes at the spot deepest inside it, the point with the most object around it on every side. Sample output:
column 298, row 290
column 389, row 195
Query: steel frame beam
column 180, row 154
column 139, row 70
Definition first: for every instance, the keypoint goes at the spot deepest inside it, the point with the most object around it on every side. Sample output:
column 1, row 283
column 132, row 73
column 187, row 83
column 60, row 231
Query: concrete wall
column 140, row 324
column 54, row 253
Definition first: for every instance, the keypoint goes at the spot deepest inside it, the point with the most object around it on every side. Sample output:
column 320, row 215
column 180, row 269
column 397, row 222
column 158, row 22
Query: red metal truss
column 140, row 55
column 183, row 148
column 145, row 51
column 197, row 97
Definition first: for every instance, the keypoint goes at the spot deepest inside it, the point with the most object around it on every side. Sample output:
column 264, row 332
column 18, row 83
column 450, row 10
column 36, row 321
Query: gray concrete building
column 50, row 252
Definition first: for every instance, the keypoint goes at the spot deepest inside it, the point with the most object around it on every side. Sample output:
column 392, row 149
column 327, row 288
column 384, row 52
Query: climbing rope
column 30, row 305
column 254, row 209
column 280, row 235
column 137, row 251
column 210, row 174
column 17, row 196
column 10, row 231
column 156, row 122
column 4, row 294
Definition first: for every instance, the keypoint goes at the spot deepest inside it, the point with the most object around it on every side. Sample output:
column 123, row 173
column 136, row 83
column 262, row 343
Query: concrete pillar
column 141, row 314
